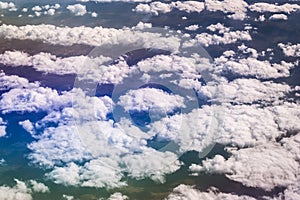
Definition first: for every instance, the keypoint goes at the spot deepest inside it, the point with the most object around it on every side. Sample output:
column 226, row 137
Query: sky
column 142, row 99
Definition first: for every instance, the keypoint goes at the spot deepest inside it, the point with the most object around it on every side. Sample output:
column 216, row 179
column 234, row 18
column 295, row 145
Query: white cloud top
column 186, row 192
column 270, row 161
column 77, row 9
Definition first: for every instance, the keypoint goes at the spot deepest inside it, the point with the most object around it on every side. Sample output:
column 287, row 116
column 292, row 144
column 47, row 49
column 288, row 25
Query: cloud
column 97, row 36
column 186, row 192
column 77, row 9
column 2, row 128
column 270, row 161
column 236, row 10
column 8, row 5
column 39, row 187
column 8, row 82
column 158, row 7
column 106, row 1
column 278, row 17
column 145, row 99
column 262, row 7
column 22, row 190
column 49, row 63
column 226, row 38
column 242, row 90
column 192, row 27
column 118, row 196
column 290, row 49
column 18, row 192
column 252, row 66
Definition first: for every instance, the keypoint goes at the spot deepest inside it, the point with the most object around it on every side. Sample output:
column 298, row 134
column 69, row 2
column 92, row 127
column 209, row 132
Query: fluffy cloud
column 159, row 7
column 243, row 90
column 238, row 8
column 8, row 5
column 251, row 66
column 18, row 192
column 31, row 100
column 269, row 166
column 145, row 99
column 290, row 49
column 278, row 17
column 49, row 63
column 22, row 190
column 225, row 36
column 38, row 187
column 2, row 128
column 97, row 36
column 267, row 7
column 192, row 27
column 118, row 196
column 77, row 9
column 105, row 1
column 186, row 192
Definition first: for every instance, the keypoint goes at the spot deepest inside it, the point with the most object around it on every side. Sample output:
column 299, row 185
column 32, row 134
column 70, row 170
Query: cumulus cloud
column 49, row 63
column 238, row 8
column 278, row 17
column 252, row 66
column 118, row 196
column 97, row 36
column 2, row 128
column 158, row 7
column 18, row 192
column 225, row 36
column 105, row 1
column 22, row 190
column 262, row 7
column 186, row 192
column 192, row 27
column 38, row 187
column 244, row 90
column 8, row 5
column 145, row 99
column 270, row 161
column 77, row 9
column 290, row 49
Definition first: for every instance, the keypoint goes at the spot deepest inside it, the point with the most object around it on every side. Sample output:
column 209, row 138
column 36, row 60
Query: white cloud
column 8, row 5
column 27, row 125
column 36, row 8
column 267, row 7
column 68, row 197
column 251, row 66
column 159, row 7
column 278, row 17
column 105, row 1
column 192, row 27
column 145, row 99
column 244, row 90
column 152, row 164
column 77, row 9
column 18, row 192
column 290, row 49
column 50, row 12
column 2, row 128
column 49, row 63
column 94, row 14
column 218, row 27
column 97, row 36
column 269, row 166
column 186, row 192
column 238, row 8
column 39, row 187
column 225, row 38
column 118, row 196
